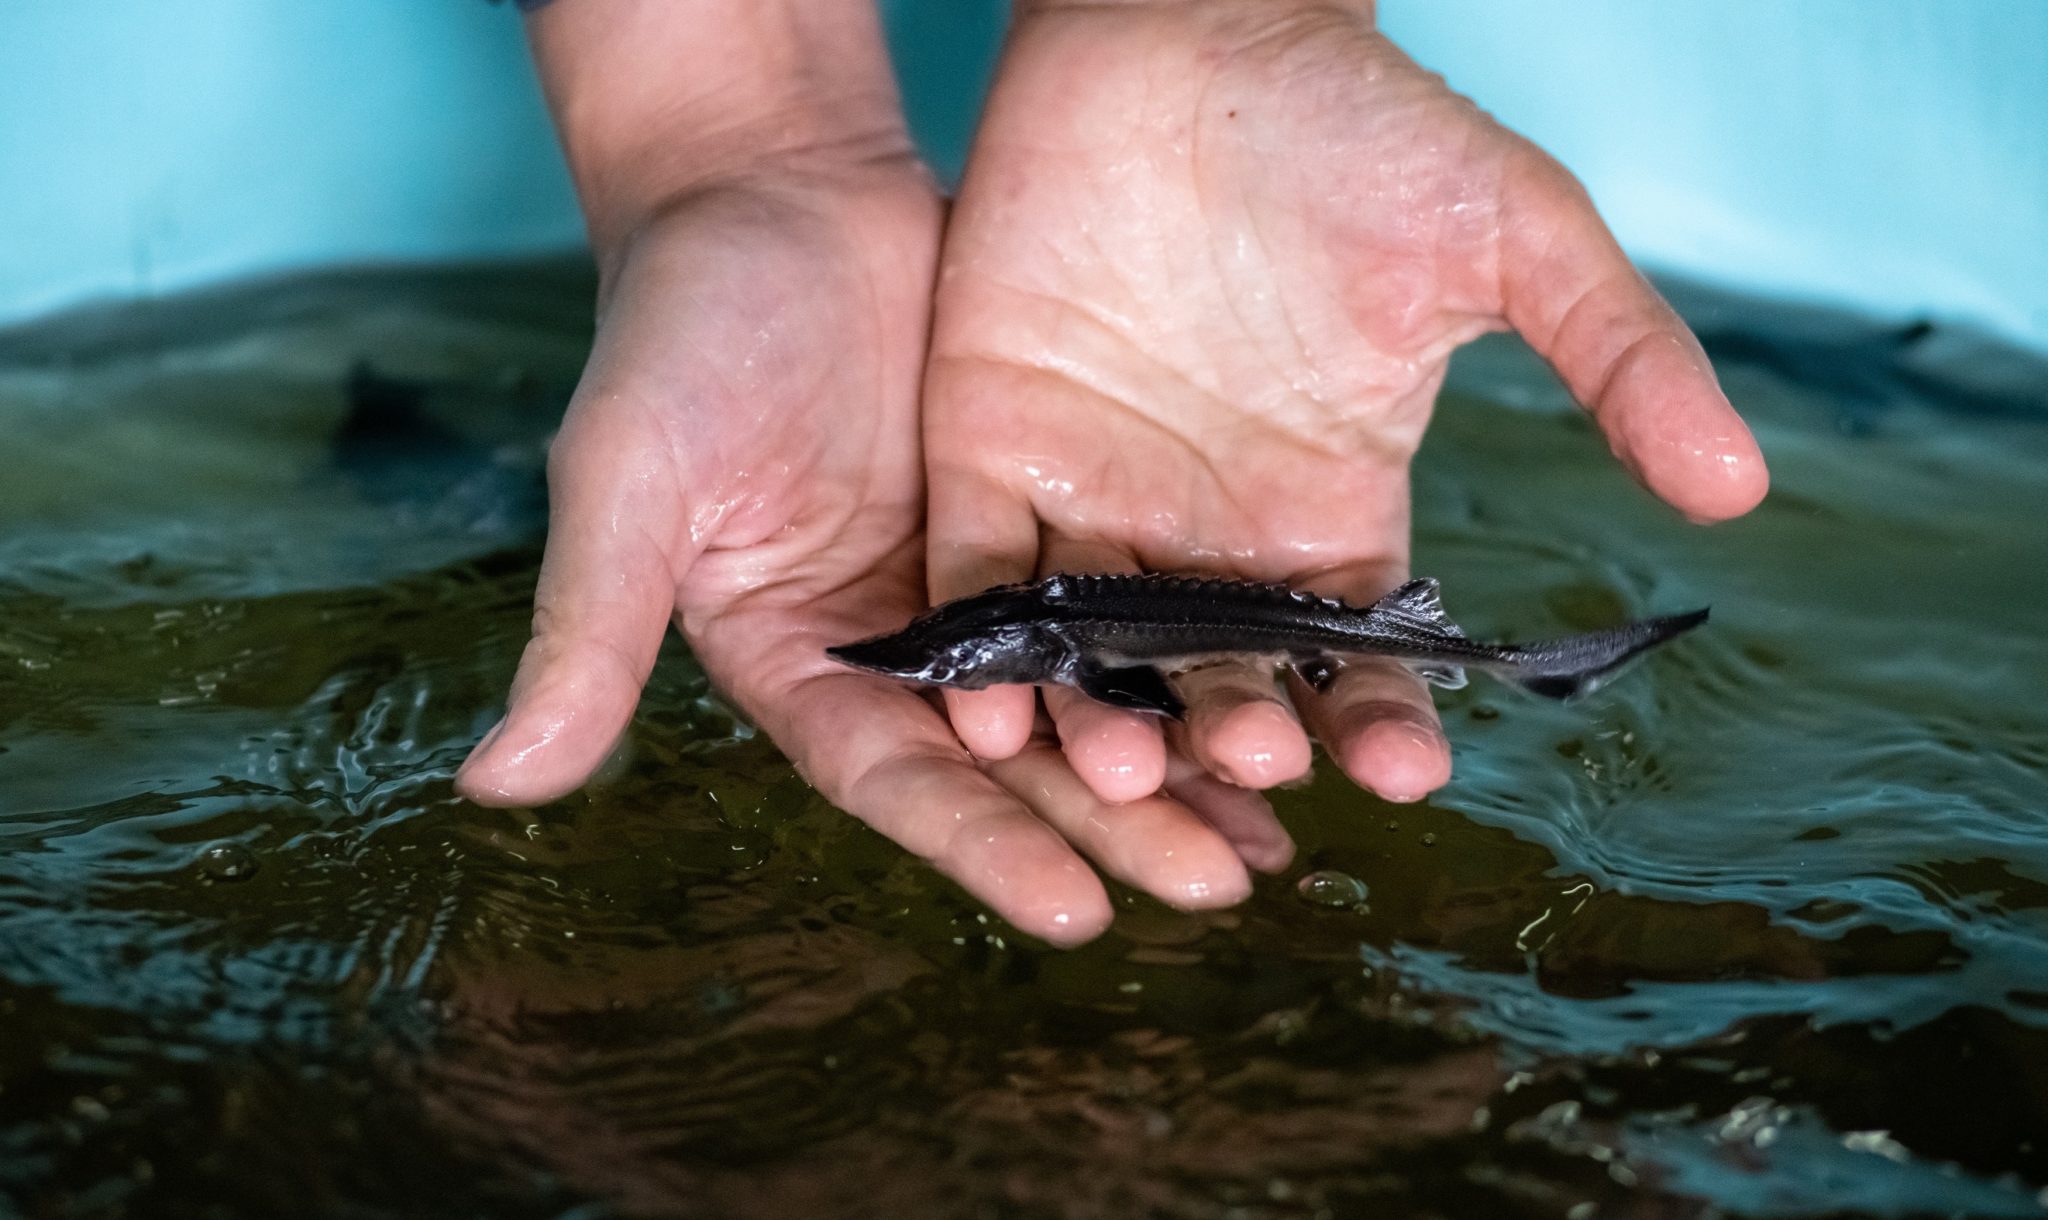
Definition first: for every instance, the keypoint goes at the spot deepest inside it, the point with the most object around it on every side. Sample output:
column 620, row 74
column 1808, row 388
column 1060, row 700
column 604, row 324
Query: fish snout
column 884, row 654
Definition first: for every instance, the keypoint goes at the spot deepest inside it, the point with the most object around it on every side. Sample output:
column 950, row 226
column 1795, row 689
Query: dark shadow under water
column 1760, row 930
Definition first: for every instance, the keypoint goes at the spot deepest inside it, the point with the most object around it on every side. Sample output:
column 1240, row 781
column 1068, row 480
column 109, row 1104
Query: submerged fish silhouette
column 1117, row 638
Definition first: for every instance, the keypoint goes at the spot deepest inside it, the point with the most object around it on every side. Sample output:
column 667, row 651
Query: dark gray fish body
column 1117, row 637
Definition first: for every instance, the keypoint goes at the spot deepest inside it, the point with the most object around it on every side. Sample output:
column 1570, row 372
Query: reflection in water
column 1763, row 928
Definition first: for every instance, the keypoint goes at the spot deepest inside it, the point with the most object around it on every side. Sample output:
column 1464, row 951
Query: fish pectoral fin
column 1138, row 688
column 1555, row 687
column 1319, row 671
column 1450, row 677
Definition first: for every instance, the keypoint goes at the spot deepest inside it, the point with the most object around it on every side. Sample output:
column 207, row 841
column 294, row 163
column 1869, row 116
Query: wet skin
column 1242, row 241
column 1194, row 302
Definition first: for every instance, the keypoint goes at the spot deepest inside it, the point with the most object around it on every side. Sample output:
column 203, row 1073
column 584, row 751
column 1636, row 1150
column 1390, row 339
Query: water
column 1760, row 930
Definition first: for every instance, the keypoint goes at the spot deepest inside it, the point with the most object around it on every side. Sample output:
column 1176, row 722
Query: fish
column 1119, row 638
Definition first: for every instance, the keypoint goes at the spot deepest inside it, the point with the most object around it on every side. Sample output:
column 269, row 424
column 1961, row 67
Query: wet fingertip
column 1166, row 850
column 1223, row 882
column 1034, row 881
column 493, row 785
column 1707, row 472
column 1192, row 871
column 990, row 747
column 1733, row 487
column 1399, row 760
column 472, row 787
column 483, row 786
column 1127, row 776
column 1696, row 454
column 1268, row 856
column 1259, row 745
column 477, row 779
column 993, row 724
column 1063, row 911
column 1121, row 757
column 1069, row 925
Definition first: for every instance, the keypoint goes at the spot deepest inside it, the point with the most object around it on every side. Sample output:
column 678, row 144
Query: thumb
column 1622, row 351
column 607, row 589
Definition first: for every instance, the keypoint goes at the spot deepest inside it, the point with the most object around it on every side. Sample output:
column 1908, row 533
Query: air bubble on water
column 227, row 862
column 1330, row 888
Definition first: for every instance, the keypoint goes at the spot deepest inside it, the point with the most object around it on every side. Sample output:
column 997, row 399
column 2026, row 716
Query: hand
column 741, row 455
column 741, row 458
column 1197, row 297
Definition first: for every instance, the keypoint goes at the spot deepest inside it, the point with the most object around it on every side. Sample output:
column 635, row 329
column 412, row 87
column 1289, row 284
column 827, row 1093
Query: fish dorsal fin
column 1420, row 602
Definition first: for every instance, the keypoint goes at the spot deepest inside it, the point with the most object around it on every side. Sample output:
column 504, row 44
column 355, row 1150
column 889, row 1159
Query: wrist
column 657, row 100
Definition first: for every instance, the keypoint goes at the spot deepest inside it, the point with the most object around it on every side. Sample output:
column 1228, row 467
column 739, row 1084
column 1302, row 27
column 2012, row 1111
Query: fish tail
column 1563, row 668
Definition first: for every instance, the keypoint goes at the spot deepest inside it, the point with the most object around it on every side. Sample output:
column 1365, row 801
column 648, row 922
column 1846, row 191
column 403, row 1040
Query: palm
column 696, row 476
column 741, row 458
column 800, row 527
column 1244, row 248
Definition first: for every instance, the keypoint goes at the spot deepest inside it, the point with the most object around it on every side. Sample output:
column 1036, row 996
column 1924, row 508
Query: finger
column 1120, row 755
column 1244, row 818
column 992, row 723
column 1239, row 727
column 1155, row 844
column 602, row 605
column 981, row 534
column 1623, row 352
column 1377, row 719
column 883, row 754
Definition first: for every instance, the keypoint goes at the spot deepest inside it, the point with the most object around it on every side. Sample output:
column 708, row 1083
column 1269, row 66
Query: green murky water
column 1761, row 930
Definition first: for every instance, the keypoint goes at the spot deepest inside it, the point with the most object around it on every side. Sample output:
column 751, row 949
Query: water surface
column 1760, row 930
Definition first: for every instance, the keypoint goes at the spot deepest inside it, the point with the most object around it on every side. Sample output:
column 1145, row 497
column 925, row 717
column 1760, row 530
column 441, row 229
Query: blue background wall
column 1887, row 155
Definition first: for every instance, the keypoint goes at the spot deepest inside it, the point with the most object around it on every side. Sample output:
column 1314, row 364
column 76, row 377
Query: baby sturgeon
column 1117, row 638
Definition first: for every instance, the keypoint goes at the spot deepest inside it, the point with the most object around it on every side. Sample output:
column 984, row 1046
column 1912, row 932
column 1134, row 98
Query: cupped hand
column 1198, row 294
column 741, row 459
